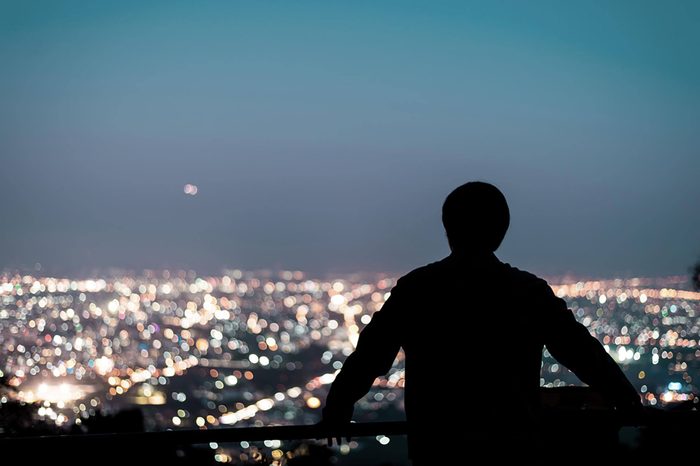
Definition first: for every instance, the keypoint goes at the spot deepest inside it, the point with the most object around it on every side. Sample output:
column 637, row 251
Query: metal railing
column 564, row 418
column 591, row 431
column 219, row 435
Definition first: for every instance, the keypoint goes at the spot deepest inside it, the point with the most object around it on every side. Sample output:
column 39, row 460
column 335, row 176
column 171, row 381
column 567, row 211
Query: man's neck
column 473, row 255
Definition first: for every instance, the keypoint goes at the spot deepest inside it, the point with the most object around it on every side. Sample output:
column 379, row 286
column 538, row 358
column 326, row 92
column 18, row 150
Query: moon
column 191, row 189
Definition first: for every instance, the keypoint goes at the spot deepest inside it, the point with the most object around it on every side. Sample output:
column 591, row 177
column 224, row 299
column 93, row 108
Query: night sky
column 324, row 136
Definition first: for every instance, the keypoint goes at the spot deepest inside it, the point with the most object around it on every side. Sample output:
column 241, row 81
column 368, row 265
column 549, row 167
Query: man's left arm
column 377, row 347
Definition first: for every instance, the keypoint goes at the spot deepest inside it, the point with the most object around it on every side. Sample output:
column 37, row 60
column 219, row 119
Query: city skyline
column 76, row 344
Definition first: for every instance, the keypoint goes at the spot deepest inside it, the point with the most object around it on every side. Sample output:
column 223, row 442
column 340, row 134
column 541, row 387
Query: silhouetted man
column 472, row 329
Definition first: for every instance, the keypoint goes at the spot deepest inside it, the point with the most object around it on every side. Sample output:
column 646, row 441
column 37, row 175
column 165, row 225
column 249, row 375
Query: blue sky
column 324, row 135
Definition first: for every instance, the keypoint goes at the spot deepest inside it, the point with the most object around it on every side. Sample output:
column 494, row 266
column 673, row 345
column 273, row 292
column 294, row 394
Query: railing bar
column 231, row 434
column 574, row 418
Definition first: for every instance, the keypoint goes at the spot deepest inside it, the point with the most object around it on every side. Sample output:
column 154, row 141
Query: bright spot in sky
column 191, row 189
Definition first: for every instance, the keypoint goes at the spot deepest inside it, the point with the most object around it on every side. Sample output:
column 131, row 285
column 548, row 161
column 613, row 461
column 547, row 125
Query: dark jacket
column 472, row 329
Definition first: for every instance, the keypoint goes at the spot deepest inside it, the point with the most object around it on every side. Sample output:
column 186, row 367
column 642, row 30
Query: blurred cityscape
column 261, row 348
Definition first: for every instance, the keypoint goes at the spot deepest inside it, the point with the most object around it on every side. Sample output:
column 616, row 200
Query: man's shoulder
column 425, row 272
column 525, row 278
column 503, row 271
column 521, row 274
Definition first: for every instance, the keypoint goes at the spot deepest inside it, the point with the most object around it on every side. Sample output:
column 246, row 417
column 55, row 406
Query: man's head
column 476, row 217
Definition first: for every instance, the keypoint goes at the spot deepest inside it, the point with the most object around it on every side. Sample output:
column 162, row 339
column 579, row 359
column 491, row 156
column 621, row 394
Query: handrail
column 221, row 435
column 571, row 417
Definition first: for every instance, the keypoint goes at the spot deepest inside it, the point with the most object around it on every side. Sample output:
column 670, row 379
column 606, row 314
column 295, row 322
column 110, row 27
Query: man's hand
column 333, row 421
column 333, row 429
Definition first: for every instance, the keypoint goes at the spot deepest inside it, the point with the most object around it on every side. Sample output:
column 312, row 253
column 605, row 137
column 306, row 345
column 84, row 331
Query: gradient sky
column 323, row 136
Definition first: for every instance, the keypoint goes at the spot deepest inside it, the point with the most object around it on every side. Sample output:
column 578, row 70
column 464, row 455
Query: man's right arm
column 572, row 345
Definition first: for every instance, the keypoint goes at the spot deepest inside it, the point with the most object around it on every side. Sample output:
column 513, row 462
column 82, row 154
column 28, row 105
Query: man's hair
column 476, row 217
